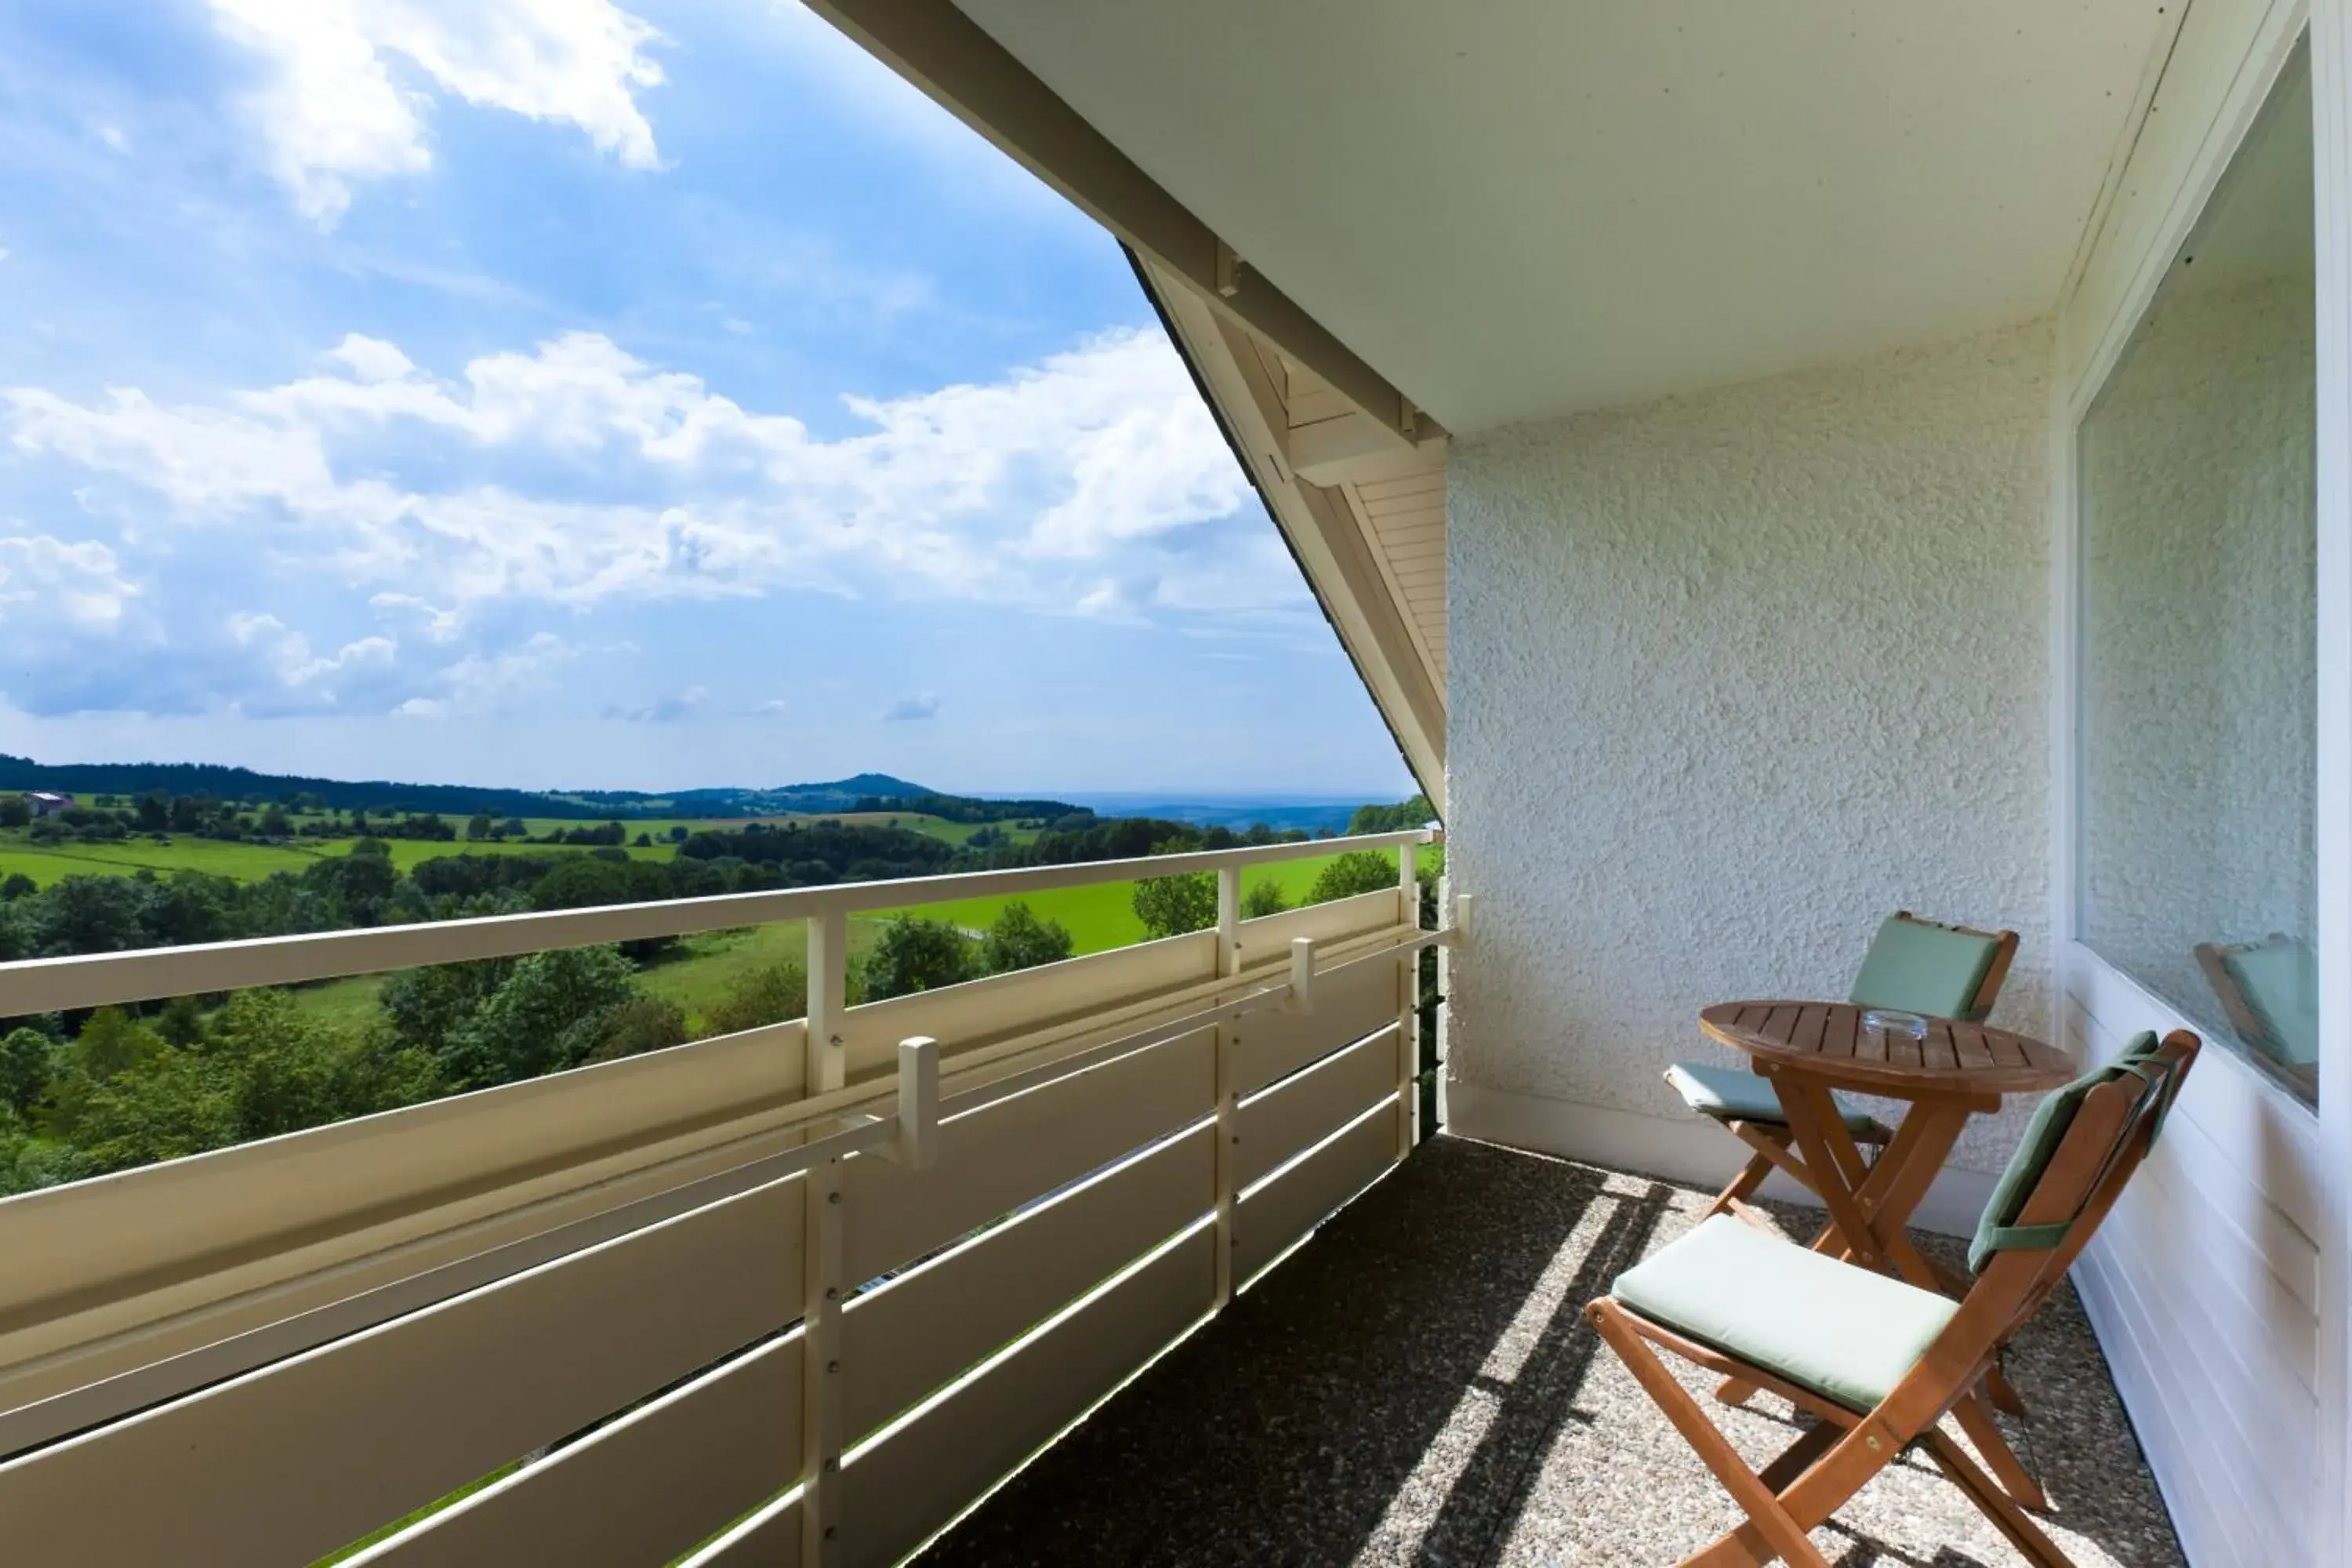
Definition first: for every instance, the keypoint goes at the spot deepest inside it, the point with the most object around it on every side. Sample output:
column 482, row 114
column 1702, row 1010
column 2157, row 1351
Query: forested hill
column 862, row 791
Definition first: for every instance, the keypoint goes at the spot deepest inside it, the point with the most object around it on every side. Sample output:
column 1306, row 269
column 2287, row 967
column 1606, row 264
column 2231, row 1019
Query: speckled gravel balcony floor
column 1417, row 1384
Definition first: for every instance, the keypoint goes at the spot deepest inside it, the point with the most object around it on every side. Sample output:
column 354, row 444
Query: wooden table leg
column 1831, row 1155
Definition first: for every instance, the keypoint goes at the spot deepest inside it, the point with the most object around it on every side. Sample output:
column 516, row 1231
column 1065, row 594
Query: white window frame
column 2323, row 1139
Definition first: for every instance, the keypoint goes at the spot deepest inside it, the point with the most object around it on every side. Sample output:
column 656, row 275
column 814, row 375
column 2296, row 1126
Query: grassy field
column 251, row 862
column 1101, row 916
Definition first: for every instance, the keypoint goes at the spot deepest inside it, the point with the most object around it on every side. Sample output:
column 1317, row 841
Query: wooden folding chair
column 1878, row 1361
column 1915, row 965
column 2268, row 993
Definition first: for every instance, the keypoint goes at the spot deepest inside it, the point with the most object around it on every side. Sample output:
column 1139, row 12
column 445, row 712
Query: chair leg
column 2005, row 1397
column 2006, row 1516
column 1860, row 1453
column 1771, row 1523
column 1742, row 1187
column 1799, row 1456
column 1999, row 1457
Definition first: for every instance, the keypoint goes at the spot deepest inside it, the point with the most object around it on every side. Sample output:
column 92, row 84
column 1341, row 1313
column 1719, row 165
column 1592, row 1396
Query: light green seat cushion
column 1917, row 967
column 1847, row 1333
column 2277, row 980
column 1730, row 1094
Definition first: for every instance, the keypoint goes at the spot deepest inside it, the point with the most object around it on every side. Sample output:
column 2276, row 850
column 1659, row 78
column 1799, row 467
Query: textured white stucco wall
column 1734, row 675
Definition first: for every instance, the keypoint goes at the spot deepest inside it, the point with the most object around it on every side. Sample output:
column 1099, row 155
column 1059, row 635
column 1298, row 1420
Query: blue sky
column 558, row 392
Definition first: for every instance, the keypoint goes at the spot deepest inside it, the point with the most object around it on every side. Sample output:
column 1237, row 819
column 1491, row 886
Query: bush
column 548, row 1016
column 769, row 994
column 1264, row 898
column 916, row 954
column 1357, row 871
column 1170, row 906
column 647, row 1023
column 1019, row 939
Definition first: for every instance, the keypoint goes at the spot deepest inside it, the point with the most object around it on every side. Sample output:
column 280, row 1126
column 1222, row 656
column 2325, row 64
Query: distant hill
column 461, row 800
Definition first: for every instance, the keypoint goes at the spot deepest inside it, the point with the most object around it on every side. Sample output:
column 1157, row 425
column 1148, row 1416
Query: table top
column 1826, row 1038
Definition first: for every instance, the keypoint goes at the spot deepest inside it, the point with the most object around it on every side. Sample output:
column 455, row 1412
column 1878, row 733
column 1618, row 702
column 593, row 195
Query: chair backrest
column 1943, row 971
column 2083, row 1144
column 2270, row 991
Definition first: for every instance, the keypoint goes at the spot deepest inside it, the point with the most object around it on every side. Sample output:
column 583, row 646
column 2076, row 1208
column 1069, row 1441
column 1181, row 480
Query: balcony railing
column 798, row 1293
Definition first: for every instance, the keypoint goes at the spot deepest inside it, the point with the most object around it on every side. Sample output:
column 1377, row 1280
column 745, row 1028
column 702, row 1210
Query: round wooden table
column 1809, row 1048
column 1825, row 1040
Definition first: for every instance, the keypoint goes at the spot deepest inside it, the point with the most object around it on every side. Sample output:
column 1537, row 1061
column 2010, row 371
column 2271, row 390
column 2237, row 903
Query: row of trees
column 85, row 1094
column 114, row 1089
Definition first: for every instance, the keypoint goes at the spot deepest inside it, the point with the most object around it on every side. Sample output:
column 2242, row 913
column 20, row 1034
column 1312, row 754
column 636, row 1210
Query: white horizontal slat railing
column 796, row 1294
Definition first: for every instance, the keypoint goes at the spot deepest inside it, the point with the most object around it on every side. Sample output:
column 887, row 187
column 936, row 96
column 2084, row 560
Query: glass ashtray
column 1890, row 1021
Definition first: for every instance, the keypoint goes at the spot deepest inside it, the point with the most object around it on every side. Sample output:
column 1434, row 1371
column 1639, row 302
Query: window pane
column 2198, row 599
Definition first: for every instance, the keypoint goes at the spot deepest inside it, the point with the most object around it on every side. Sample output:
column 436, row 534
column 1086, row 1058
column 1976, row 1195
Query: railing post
column 828, row 983
column 827, row 1069
column 821, row 1365
column 1408, row 1047
column 1229, row 1040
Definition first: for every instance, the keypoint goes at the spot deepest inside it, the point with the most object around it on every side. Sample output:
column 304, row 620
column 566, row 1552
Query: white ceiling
column 1515, row 208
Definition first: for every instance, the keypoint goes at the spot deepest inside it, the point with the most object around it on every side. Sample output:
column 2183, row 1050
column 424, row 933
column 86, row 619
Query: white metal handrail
column 92, row 980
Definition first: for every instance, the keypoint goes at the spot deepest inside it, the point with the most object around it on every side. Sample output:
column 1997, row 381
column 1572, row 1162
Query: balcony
column 807, row 1293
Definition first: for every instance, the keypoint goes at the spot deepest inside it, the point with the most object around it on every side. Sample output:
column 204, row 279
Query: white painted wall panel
column 2201, row 1285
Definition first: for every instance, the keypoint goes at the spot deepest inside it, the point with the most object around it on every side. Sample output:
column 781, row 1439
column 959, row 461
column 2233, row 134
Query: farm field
column 251, row 862
column 1101, row 916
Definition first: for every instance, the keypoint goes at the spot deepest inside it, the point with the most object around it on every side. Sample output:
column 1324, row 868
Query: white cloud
column 287, row 652
column 1094, row 482
column 489, row 683
column 438, row 625
column 691, row 703
column 923, row 705
column 79, row 585
column 333, row 111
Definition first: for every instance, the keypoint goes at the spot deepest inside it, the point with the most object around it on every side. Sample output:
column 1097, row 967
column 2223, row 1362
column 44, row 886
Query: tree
column 427, row 1007
column 477, row 826
column 14, row 811
column 548, row 1016
column 916, row 954
column 1170, row 906
column 768, row 995
column 1017, row 939
column 25, row 1055
column 645, row 1023
column 88, row 914
column 512, row 828
column 279, row 1070
column 1398, row 818
column 17, row 886
column 1357, row 871
column 275, row 824
column 1264, row 898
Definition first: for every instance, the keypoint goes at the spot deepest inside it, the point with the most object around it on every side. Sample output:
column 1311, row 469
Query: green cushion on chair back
column 2278, row 981
column 2035, row 1149
column 1918, row 967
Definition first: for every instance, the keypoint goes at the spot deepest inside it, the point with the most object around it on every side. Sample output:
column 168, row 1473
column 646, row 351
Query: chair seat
column 1843, row 1333
column 1730, row 1094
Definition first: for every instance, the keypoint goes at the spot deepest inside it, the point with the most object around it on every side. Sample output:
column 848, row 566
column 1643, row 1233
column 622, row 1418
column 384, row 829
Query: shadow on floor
column 1417, row 1384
